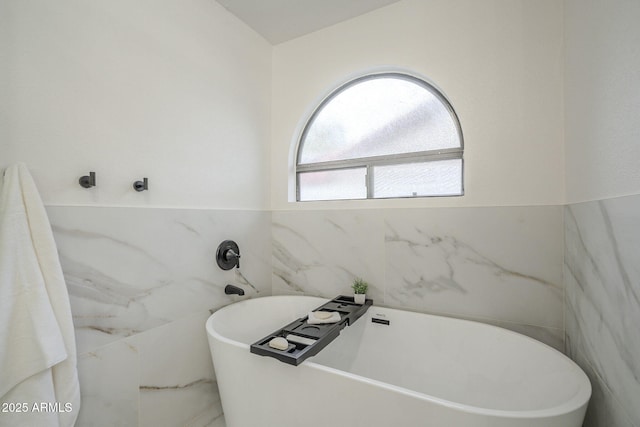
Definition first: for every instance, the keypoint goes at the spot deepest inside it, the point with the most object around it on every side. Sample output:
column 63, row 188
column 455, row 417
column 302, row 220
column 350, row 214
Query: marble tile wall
column 500, row 265
column 142, row 282
column 602, row 277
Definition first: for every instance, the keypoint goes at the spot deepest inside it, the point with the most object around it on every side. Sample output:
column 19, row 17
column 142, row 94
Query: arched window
column 381, row 136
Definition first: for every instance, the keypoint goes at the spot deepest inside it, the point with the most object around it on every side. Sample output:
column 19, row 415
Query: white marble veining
column 604, row 409
column 320, row 253
column 494, row 263
column 141, row 283
column 129, row 270
column 213, row 417
column 177, row 381
column 498, row 265
column 109, row 385
column 602, row 277
column 162, row 377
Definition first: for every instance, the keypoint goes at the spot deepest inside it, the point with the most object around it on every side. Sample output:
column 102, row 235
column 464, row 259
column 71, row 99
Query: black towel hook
column 141, row 185
column 88, row 181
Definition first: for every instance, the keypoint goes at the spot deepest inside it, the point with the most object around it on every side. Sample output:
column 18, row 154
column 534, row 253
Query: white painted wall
column 174, row 90
column 602, row 99
column 498, row 61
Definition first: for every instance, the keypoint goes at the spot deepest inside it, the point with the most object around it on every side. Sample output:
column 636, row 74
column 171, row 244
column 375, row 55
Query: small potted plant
column 359, row 290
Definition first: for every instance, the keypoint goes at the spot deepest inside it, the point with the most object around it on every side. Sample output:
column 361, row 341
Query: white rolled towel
column 319, row 317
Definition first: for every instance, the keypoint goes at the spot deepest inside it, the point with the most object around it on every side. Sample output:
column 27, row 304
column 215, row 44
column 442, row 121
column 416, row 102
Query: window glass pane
column 379, row 116
column 333, row 184
column 438, row 178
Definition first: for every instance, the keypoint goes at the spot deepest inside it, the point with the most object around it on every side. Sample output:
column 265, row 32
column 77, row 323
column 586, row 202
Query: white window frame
column 370, row 162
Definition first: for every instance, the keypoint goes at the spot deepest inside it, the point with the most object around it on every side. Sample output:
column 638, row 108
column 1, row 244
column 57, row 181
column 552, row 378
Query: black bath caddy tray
column 307, row 340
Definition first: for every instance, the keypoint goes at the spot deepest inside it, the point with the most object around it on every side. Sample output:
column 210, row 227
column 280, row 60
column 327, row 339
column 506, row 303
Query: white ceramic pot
column 359, row 298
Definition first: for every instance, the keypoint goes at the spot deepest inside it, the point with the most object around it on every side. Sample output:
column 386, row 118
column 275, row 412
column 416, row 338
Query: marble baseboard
column 494, row 264
column 129, row 270
column 602, row 310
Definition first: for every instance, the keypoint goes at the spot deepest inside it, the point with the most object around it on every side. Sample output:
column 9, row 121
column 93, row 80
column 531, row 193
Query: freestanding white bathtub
column 420, row 370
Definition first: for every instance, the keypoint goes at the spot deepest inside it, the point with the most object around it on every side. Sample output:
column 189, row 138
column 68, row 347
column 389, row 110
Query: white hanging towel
column 38, row 373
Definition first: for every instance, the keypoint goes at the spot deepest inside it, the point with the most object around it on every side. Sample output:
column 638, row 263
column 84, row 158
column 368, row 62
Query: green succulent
column 359, row 286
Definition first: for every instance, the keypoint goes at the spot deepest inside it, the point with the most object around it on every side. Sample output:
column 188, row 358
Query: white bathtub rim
column 583, row 394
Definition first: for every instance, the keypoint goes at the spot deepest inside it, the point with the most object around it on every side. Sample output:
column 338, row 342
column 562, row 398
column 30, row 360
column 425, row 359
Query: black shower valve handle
column 231, row 256
column 228, row 255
